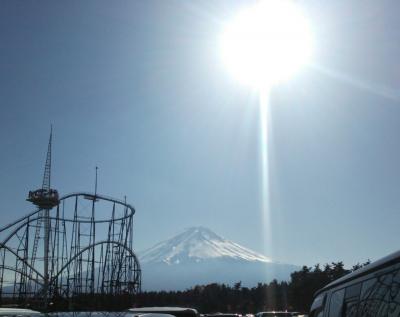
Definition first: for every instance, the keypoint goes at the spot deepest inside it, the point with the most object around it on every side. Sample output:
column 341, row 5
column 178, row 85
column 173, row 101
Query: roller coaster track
column 89, row 251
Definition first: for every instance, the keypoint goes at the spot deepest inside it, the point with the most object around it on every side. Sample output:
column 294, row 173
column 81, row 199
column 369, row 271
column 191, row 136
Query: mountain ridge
column 198, row 244
column 198, row 256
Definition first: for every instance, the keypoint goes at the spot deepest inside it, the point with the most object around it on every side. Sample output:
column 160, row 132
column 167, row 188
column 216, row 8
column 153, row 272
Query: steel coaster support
column 71, row 261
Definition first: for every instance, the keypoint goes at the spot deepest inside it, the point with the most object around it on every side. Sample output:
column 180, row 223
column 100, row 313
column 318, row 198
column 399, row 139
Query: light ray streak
column 264, row 106
column 374, row 88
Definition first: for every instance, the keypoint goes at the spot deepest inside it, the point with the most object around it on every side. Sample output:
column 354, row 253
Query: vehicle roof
column 162, row 309
column 146, row 314
column 279, row 312
column 223, row 314
column 374, row 266
column 17, row 312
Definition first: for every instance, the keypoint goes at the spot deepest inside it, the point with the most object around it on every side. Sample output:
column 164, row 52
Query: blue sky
column 138, row 88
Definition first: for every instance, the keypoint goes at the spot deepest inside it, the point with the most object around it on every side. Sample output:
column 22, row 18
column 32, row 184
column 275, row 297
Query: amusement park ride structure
column 79, row 244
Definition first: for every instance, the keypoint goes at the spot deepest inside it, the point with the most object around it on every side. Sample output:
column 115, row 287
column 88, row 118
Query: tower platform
column 44, row 198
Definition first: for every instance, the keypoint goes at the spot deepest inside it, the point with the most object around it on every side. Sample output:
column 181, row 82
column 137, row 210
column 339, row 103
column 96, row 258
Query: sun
column 266, row 43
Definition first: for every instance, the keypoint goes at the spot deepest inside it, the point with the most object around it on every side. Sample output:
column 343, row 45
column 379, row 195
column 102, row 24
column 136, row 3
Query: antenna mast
column 45, row 199
column 47, row 167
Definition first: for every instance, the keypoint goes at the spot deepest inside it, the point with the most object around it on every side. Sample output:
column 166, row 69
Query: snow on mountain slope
column 198, row 256
column 197, row 244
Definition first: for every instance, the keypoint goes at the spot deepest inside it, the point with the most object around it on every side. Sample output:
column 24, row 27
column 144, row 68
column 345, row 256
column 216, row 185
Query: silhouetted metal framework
column 89, row 251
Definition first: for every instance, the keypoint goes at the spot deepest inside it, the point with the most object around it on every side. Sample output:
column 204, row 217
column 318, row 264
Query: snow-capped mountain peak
column 197, row 244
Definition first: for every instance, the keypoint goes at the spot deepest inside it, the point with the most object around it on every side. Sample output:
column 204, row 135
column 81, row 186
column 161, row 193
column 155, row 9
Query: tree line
column 294, row 295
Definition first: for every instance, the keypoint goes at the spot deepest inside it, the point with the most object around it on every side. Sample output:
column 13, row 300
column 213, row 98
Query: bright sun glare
column 266, row 43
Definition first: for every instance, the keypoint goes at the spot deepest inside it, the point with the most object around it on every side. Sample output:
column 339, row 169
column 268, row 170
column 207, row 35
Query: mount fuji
column 198, row 256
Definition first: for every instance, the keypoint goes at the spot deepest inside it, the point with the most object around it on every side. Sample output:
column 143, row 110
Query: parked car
column 277, row 314
column 5, row 311
column 223, row 315
column 371, row 291
column 174, row 311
